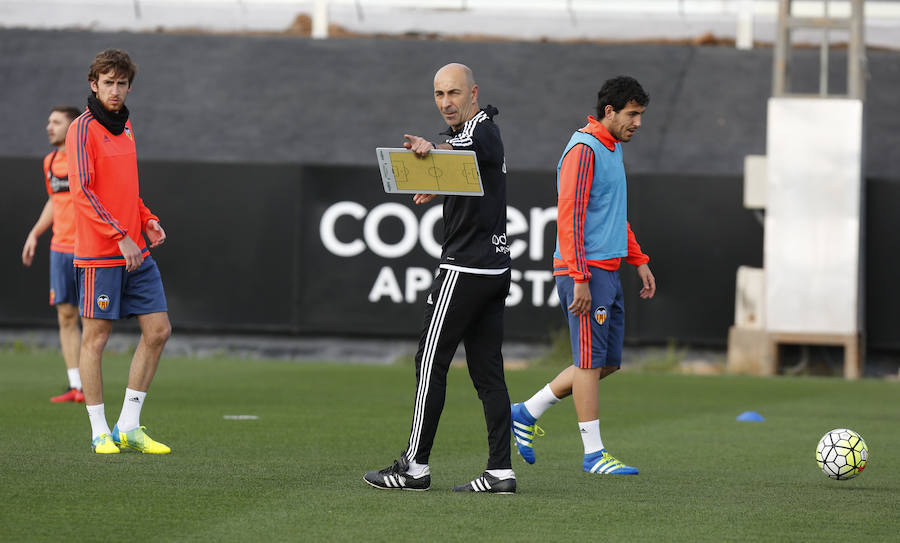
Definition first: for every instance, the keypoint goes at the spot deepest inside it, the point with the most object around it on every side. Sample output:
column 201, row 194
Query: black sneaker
column 488, row 483
column 396, row 477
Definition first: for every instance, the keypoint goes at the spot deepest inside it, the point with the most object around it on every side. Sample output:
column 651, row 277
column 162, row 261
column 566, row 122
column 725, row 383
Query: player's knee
column 158, row 334
column 67, row 316
column 94, row 339
column 606, row 371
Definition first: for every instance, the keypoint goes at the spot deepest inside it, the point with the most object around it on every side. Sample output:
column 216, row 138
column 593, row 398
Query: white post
column 320, row 20
column 743, row 38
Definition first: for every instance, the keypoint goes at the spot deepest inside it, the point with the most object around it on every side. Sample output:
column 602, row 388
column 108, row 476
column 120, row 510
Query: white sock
column 590, row 435
column 130, row 417
column 74, row 378
column 97, row 415
column 418, row 470
column 502, row 473
column 541, row 401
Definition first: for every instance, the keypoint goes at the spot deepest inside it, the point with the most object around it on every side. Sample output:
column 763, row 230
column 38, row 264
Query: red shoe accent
column 70, row 395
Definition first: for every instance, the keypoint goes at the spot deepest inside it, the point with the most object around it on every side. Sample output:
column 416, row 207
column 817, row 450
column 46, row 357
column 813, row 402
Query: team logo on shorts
column 600, row 315
column 103, row 302
column 52, row 296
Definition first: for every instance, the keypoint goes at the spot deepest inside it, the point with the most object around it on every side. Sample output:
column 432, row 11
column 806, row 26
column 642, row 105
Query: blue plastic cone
column 750, row 416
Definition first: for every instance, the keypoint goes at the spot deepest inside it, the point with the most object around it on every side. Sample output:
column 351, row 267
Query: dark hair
column 617, row 92
column 114, row 60
column 71, row 112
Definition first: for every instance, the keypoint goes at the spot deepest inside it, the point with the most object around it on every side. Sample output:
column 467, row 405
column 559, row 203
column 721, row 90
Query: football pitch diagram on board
column 439, row 172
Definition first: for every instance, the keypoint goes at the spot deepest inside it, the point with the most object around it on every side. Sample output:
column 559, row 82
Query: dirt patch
column 301, row 27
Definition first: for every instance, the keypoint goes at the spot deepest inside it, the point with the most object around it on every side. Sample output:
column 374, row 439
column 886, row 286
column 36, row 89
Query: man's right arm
column 421, row 147
column 576, row 175
column 43, row 223
column 575, row 178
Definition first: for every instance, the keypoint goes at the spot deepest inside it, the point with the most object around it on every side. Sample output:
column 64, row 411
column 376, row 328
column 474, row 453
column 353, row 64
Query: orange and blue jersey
column 56, row 179
column 103, row 180
column 592, row 230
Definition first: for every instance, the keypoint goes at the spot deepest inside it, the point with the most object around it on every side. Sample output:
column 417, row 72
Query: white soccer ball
column 842, row 454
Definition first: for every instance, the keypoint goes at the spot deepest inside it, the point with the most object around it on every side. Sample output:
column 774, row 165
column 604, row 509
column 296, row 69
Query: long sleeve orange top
column 575, row 178
column 103, row 180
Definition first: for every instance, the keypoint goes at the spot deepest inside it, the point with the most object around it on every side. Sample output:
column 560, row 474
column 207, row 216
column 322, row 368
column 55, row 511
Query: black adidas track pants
column 469, row 308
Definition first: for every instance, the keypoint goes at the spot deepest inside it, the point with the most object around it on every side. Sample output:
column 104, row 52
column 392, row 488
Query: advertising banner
column 323, row 250
column 371, row 256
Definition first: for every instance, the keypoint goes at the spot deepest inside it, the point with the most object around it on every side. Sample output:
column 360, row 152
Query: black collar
column 488, row 110
column 114, row 121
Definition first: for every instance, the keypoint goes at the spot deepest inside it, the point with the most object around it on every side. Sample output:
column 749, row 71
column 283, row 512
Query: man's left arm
column 637, row 258
column 150, row 222
column 485, row 142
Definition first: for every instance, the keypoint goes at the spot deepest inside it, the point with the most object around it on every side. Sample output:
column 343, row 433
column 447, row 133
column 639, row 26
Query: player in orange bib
column 58, row 213
column 593, row 237
column 116, row 276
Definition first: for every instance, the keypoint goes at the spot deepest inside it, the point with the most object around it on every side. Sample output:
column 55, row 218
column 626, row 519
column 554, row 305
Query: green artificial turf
column 295, row 473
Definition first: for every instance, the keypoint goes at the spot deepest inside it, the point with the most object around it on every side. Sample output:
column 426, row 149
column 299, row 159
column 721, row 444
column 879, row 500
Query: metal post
column 856, row 49
column 823, row 55
column 781, row 65
column 856, row 53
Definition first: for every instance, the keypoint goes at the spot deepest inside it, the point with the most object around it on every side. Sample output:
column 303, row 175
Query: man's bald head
column 456, row 94
column 457, row 70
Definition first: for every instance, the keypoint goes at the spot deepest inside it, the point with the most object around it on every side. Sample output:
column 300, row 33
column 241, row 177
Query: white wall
column 612, row 20
column 812, row 227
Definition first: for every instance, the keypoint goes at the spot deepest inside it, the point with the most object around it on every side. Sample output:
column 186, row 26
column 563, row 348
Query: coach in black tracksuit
column 467, row 299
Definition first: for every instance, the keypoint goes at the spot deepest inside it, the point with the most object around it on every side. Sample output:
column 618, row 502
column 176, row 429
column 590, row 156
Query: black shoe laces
column 399, row 467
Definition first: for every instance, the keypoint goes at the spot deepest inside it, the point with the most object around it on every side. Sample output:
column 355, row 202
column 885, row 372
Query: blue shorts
column 596, row 338
column 112, row 293
column 63, row 289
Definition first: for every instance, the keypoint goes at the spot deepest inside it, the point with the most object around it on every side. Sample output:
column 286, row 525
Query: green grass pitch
column 295, row 473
